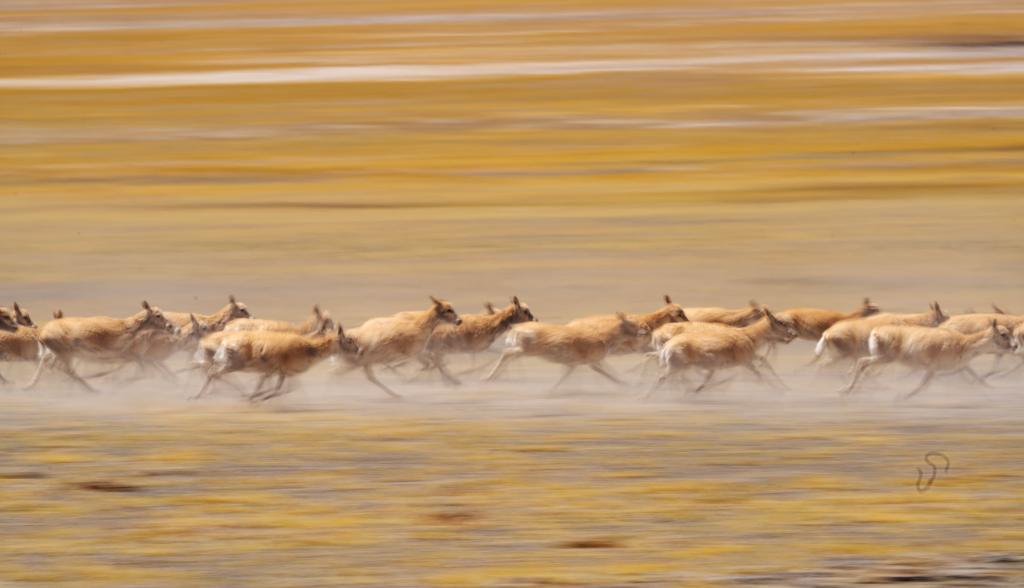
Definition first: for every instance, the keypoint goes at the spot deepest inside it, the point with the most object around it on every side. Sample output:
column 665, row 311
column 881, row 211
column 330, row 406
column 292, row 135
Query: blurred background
column 587, row 155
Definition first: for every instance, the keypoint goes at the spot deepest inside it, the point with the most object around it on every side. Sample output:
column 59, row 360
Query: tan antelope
column 216, row 321
column 311, row 325
column 17, row 342
column 569, row 345
column 153, row 347
column 670, row 313
column 274, row 353
column 734, row 317
column 713, row 347
column 848, row 339
column 933, row 350
column 18, row 314
column 387, row 340
column 476, row 333
column 811, row 323
column 97, row 338
column 967, row 324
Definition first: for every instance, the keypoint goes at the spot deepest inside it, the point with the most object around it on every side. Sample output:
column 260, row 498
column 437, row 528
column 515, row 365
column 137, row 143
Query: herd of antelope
column 680, row 339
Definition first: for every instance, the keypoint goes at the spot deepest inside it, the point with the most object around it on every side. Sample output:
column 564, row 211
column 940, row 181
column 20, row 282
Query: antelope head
column 522, row 312
column 155, row 319
column 938, row 317
column 347, row 344
column 236, row 309
column 22, row 317
column 1002, row 337
column 197, row 329
column 868, row 309
column 445, row 312
column 779, row 330
column 7, row 322
column 676, row 312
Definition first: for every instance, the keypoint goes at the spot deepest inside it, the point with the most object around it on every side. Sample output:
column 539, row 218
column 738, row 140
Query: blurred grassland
column 759, row 142
column 696, row 496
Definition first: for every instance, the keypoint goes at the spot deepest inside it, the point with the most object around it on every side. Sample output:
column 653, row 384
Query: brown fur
column 848, row 339
column 18, row 315
column 571, row 345
column 216, row 321
column 734, row 317
column 401, row 336
column 929, row 349
column 306, row 327
column 95, row 338
column 810, row 323
column 271, row 353
column 476, row 333
column 715, row 347
column 670, row 313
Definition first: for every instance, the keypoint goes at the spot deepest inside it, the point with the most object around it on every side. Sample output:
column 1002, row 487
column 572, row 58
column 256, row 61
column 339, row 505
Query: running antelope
column 716, row 347
column 734, row 317
column 274, row 353
column 311, row 325
column 152, row 348
column 93, row 338
column 476, row 333
column 231, row 311
column 17, row 342
column 387, row 340
column 848, row 339
column 811, row 323
column 670, row 313
column 933, row 350
column 570, row 345
column 18, row 314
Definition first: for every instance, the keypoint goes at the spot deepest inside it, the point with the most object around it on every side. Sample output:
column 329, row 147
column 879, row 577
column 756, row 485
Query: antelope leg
column 373, row 379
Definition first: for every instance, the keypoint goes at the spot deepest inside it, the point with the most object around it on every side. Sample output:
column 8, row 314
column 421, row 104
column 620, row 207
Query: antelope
column 310, row 325
column 848, row 339
column 810, row 323
column 967, row 324
column 153, row 347
column 216, row 321
column 734, row 317
column 17, row 342
column 714, row 347
column 386, row 340
column 271, row 353
column 94, row 338
column 933, row 350
column 18, row 315
column 476, row 333
column 670, row 313
column 569, row 345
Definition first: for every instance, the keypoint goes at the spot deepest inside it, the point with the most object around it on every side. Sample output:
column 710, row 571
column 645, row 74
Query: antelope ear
column 668, row 299
column 341, row 331
column 317, row 312
column 17, row 310
column 770, row 316
column 621, row 315
column 489, row 308
column 994, row 307
column 58, row 314
column 753, row 304
column 435, row 301
column 231, row 300
column 515, row 301
column 146, row 305
column 867, row 301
